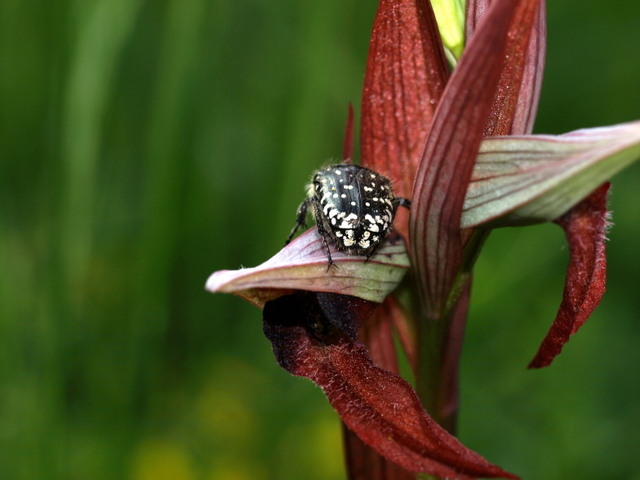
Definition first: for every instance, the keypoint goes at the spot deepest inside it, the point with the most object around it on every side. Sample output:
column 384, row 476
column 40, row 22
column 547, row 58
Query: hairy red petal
column 405, row 77
column 313, row 335
column 364, row 463
column 451, row 149
column 585, row 226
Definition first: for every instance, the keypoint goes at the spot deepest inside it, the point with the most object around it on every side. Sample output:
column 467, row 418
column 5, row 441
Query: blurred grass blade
column 100, row 42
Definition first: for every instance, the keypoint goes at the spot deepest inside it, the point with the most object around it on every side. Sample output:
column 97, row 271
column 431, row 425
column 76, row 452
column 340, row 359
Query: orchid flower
column 458, row 143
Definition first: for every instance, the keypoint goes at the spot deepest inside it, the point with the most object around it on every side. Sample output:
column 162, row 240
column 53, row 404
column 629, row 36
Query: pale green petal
column 303, row 265
column 450, row 15
column 530, row 179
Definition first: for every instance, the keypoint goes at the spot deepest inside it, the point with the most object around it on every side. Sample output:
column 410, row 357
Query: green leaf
column 522, row 180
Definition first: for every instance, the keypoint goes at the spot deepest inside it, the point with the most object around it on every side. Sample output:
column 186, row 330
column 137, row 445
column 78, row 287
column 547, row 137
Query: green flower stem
column 440, row 343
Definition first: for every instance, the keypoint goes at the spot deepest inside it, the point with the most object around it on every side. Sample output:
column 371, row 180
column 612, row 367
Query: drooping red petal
column 516, row 101
column 451, row 148
column 363, row 462
column 313, row 335
column 585, row 227
column 347, row 147
column 405, row 77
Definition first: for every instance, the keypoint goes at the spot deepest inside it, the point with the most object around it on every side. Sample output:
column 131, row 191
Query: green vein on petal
column 520, row 180
column 302, row 265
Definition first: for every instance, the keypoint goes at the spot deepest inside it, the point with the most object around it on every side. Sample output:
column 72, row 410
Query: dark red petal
column 377, row 336
column 516, row 102
column 451, row 149
column 364, row 463
column 347, row 147
column 449, row 394
column 475, row 11
column 529, row 96
column 404, row 327
column 405, row 77
column 309, row 339
column 585, row 226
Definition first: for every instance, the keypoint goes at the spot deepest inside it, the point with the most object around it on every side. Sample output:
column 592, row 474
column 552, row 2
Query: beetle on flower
column 459, row 145
column 352, row 205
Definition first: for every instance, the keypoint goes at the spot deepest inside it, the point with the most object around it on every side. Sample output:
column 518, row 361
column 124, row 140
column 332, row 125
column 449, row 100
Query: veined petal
column 310, row 338
column 363, row 462
column 531, row 82
column 585, row 226
column 516, row 101
column 302, row 265
column 405, row 77
column 533, row 179
column 451, row 149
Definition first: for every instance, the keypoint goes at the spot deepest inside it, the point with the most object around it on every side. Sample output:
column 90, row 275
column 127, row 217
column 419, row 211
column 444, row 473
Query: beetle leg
column 300, row 221
column 369, row 255
column 403, row 202
column 317, row 208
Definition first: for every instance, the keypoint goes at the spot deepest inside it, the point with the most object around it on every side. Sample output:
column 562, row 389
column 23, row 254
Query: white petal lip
column 536, row 178
column 302, row 265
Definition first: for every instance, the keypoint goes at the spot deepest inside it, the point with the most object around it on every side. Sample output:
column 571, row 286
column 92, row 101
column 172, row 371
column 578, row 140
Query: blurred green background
column 145, row 144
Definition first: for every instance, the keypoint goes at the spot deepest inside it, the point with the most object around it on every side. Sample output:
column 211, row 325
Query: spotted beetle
column 353, row 205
